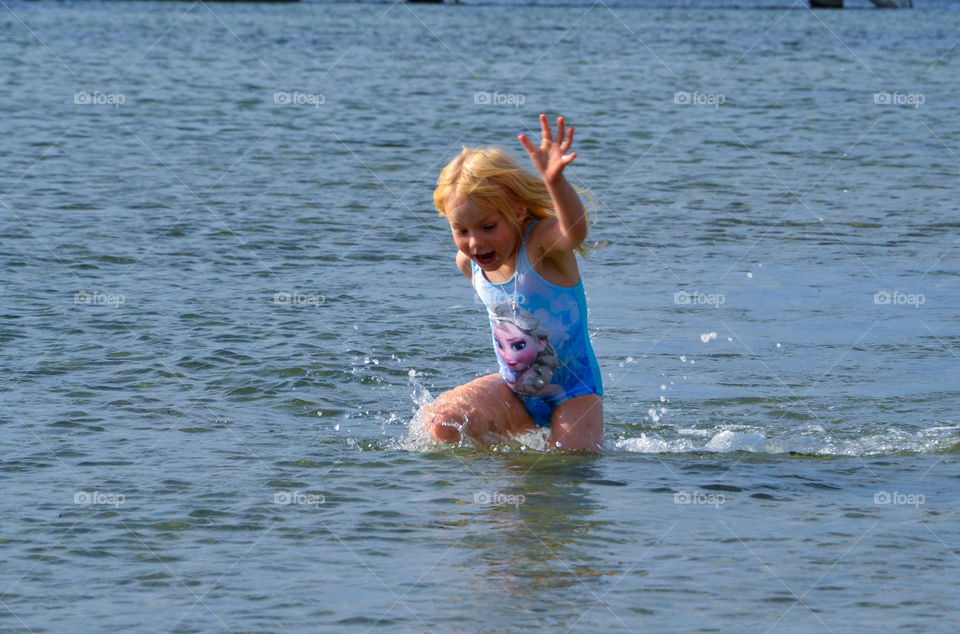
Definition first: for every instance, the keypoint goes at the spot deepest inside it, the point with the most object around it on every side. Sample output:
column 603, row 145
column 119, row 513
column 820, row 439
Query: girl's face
column 517, row 349
column 487, row 238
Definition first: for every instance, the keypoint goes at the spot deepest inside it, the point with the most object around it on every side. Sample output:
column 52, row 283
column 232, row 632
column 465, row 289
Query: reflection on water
column 536, row 534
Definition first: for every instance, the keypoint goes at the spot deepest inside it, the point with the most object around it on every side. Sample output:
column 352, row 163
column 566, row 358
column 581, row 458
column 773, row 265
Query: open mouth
column 485, row 258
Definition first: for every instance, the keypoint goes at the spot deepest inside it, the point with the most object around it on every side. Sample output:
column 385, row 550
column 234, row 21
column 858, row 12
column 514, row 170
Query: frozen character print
column 523, row 345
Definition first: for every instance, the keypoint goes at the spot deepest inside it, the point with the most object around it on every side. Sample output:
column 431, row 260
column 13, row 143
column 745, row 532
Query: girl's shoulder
column 541, row 228
column 557, row 267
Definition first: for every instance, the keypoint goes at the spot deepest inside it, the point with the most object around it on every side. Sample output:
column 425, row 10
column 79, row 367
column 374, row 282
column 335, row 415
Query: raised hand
column 550, row 158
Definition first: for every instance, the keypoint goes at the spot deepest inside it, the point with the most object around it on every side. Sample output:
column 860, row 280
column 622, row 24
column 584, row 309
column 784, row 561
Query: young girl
column 516, row 234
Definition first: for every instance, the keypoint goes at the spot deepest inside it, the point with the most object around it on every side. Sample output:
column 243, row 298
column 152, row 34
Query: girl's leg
column 482, row 406
column 578, row 423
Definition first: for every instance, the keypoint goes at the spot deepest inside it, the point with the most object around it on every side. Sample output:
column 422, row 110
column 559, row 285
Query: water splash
column 810, row 440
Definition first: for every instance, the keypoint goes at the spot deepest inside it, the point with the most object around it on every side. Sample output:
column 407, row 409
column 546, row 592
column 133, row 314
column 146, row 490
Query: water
column 220, row 313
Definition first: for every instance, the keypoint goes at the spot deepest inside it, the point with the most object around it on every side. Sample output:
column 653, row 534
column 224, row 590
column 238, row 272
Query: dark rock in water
column 826, row 4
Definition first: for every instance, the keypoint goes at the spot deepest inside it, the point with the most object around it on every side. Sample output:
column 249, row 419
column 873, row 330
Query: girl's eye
column 519, row 346
column 490, row 227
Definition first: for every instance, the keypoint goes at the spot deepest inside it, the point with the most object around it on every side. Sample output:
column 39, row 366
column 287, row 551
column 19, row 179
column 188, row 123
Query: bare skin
column 486, row 406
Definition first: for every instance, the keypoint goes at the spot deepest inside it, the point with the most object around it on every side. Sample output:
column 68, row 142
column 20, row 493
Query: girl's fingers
column 545, row 128
column 559, row 129
column 527, row 145
column 568, row 141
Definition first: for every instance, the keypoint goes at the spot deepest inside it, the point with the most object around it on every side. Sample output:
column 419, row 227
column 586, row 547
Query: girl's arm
column 570, row 229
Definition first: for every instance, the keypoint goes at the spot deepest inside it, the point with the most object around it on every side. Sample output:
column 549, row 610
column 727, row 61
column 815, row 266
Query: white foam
column 811, row 440
column 653, row 444
column 727, row 441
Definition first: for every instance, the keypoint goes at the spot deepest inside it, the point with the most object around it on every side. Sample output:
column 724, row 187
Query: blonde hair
column 493, row 181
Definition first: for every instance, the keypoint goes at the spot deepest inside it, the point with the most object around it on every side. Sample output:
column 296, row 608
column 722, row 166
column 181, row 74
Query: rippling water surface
column 225, row 291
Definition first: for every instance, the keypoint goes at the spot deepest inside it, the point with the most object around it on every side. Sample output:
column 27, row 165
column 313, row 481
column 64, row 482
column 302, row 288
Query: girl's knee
column 444, row 432
column 485, row 405
column 578, row 423
column 443, row 421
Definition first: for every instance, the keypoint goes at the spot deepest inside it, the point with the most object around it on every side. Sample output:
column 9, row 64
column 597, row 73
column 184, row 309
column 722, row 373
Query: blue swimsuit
column 540, row 336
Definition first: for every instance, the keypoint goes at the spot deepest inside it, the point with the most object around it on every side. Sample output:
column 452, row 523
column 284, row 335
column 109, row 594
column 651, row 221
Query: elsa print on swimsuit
column 523, row 346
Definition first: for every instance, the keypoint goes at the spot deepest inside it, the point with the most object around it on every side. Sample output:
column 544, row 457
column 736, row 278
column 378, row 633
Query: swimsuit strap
column 529, row 229
column 523, row 247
